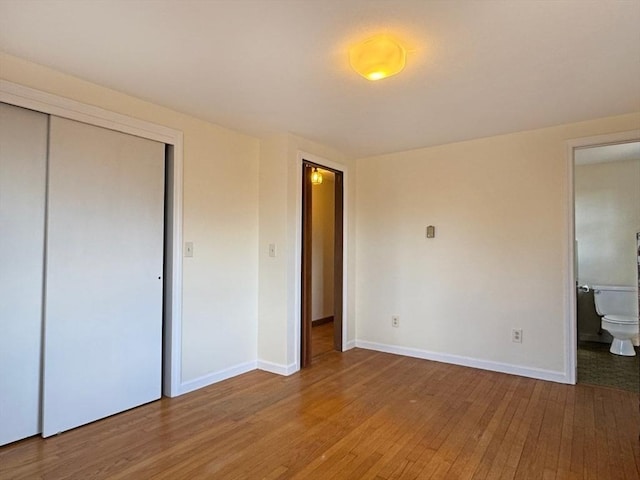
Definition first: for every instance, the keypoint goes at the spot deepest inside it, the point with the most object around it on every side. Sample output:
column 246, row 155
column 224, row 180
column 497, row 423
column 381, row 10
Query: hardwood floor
column 321, row 339
column 360, row 414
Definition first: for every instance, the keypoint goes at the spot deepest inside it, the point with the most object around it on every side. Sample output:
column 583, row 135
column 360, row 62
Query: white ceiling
column 476, row 68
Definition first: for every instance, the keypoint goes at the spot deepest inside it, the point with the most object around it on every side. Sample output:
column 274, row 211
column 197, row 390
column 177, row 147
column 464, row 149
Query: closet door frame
column 21, row 96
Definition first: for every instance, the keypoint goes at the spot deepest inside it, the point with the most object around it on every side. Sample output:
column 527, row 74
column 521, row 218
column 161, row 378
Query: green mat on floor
column 597, row 366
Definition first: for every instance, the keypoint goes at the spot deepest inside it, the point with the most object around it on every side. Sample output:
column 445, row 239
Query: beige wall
column 322, row 245
column 273, row 274
column 280, row 213
column 607, row 220
column 499, row 260
column 219, row 323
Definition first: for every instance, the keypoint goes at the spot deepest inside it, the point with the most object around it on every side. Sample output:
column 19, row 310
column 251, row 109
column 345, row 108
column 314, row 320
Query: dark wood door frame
column 338, row 254
column 305, row 327
column 306, row 274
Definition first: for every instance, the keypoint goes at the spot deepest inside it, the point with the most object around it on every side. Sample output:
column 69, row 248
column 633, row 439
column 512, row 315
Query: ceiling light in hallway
column 316, row 177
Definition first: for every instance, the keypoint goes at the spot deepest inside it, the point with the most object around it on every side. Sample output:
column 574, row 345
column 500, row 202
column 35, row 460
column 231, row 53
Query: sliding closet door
column 23, row 160
column 103, row 309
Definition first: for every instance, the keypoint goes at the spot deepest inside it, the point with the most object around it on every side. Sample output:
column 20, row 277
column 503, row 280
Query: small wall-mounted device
column 431, row 231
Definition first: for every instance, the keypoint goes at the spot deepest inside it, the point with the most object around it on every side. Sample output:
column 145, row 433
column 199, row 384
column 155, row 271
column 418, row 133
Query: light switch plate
column 188, row 249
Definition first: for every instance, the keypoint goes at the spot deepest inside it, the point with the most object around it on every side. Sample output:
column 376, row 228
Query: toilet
column 618, row 307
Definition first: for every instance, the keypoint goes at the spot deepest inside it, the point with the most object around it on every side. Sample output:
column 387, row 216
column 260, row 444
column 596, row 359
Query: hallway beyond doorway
column 321, row 339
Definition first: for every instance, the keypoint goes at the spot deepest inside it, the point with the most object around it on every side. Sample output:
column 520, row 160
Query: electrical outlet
column 395, row 321
column 516, row 335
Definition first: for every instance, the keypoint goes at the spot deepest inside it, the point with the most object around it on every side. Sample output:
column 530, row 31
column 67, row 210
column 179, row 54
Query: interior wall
column 272, row 296
column 497, row 262
column 607, row 216
column 499, row 259
column 220, row 282
column 322, row 246
column 280, row 182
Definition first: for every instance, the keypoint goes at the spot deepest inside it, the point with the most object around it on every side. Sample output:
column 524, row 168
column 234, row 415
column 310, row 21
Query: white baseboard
column 287, row 370
column 216, row 377
column 537, row 373
column 277, row 368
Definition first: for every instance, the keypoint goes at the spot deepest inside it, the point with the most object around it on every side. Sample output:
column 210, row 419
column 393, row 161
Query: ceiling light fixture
column 378, row 57
column 316, row 177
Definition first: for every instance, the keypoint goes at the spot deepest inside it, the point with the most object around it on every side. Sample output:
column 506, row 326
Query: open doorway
column 607, row 222
column 322, row 261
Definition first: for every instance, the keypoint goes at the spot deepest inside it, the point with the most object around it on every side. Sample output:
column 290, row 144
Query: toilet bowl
column 618, row 307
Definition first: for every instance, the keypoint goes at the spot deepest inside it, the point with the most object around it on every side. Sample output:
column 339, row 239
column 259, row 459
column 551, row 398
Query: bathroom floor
column 597, row 366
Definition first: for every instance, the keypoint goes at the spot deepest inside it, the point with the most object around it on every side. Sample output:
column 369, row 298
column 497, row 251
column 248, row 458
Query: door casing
column 571, row 323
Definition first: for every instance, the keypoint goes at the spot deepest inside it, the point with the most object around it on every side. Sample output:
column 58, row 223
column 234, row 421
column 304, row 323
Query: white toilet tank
column 615, row 300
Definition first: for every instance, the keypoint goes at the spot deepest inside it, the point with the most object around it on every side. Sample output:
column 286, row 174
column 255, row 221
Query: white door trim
column 37, row 100
column 302, row 156
column 571, row 325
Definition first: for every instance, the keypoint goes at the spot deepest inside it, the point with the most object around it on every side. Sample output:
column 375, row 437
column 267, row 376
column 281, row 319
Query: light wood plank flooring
column 356, row 415
column 321, row 339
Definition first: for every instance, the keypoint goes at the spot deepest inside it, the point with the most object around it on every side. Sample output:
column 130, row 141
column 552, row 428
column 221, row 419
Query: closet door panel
column 103, row 310
column 23, row 156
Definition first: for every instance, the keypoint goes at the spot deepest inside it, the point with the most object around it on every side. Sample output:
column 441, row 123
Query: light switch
column 272, row 249
column 431, row 231
column 188, row 249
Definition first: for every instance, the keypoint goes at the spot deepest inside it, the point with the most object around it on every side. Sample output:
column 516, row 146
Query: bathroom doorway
column 606, row 190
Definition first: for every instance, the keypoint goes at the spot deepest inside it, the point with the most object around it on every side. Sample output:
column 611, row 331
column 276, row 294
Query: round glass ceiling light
column 378, row 57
